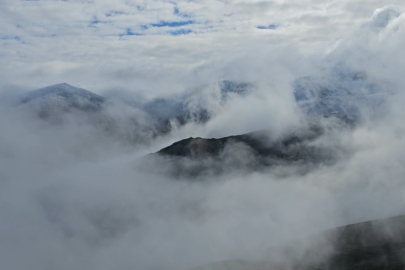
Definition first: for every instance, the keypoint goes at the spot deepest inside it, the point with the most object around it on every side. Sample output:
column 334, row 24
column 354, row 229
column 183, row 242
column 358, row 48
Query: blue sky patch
column 129, row 32
column 114, row 13
column 96, row 21
column 271, row 26
column 180, row 32
column 172, row 24
column 10, row 38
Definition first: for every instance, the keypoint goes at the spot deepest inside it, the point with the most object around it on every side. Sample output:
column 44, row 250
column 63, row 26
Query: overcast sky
column 159, row 46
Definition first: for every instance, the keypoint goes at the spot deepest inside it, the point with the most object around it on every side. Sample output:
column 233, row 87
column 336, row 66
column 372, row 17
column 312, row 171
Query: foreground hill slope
column 378, row 244
column 372, row 245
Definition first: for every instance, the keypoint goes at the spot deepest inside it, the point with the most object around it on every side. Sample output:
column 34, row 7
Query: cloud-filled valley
column 201, row 135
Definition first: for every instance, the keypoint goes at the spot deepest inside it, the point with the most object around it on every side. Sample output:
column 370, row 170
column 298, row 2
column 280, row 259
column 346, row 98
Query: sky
column 157, row 47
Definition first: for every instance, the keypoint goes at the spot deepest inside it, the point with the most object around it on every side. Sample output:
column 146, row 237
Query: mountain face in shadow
column 378, row 244
column 252, row 151
column 291, row 148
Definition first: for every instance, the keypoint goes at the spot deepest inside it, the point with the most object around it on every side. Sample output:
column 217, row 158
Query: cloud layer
column 159, row 46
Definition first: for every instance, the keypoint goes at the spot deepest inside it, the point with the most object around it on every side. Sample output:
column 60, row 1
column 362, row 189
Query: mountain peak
column 61, row 97
column 63, row 90
column 62, row 84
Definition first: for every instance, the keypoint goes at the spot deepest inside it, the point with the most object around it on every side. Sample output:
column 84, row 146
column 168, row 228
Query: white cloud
column 93, row 36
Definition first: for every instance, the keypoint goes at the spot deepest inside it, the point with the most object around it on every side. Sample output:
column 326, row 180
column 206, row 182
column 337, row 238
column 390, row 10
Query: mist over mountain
column 365, row 245
column 61, row 96
column 204, row 135
column 154, row 117
column 254, row 151
column 333, row 109
column 348, row 96
column 345, row 96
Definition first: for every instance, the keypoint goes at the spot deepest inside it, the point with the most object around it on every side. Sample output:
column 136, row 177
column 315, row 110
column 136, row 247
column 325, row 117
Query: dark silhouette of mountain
column 252, row 151
column 291, row 148
column 378, row 244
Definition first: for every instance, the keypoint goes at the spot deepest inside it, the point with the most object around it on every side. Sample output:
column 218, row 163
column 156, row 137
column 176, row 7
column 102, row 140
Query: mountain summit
column 62, row 97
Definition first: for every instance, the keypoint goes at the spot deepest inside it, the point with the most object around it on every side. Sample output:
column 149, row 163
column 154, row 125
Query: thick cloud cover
column 73, row 198
column 133, row 45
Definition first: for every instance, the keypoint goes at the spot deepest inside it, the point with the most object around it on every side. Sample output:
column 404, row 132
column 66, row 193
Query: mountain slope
column 377, row 244
column 197, row 106
column 372, row 245
column 291, row 148
column 62, row 97
column 252, row 151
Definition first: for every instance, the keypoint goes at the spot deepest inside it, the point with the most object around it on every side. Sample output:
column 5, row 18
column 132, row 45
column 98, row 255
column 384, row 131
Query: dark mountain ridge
column 247, row 152
column 290, row 148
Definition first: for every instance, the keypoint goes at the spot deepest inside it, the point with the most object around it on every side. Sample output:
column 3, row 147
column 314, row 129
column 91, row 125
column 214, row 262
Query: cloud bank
column 128, row 44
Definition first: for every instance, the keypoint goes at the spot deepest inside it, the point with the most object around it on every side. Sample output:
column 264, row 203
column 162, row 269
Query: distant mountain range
column 345, row 96
column 199, row 106
column 338, row 95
